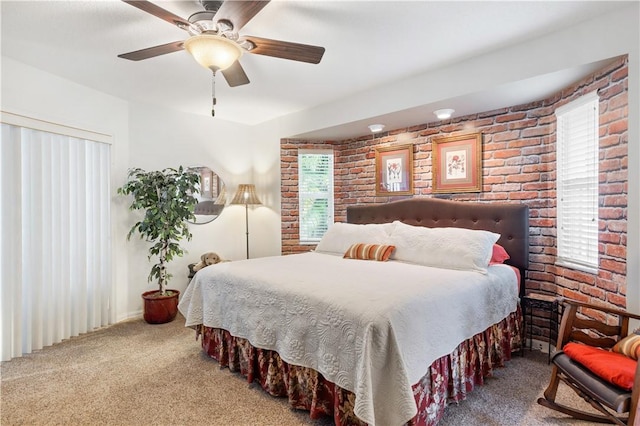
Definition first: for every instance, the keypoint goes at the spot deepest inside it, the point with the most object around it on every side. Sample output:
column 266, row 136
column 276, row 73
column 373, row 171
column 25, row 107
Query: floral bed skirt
column 448, row 379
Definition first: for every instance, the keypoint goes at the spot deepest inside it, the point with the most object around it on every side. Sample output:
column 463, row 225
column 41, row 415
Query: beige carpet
column 138, row 374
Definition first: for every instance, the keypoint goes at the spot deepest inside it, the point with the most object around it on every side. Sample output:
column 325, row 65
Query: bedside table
column 545, row 302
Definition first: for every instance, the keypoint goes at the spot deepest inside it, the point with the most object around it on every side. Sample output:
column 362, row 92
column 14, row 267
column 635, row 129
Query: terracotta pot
column 160, row 309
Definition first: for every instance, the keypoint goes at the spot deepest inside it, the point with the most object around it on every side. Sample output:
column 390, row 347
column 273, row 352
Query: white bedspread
column 372, row 328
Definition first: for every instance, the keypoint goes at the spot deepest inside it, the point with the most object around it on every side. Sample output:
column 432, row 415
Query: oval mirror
column 212, row 196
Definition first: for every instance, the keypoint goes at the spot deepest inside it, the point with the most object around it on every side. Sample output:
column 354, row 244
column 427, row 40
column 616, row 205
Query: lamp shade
column 246, row 194
column 222, row 197
column 213, row 51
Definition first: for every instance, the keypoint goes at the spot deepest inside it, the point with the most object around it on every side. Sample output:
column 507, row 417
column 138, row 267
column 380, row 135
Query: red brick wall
column 519, row 166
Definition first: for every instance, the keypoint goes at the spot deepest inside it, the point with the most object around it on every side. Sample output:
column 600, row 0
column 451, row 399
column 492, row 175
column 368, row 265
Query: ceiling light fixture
column 214, row 52
column 376, row 128
column 443, row 114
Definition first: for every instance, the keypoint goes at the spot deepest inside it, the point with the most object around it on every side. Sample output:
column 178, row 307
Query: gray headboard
column 511, row 221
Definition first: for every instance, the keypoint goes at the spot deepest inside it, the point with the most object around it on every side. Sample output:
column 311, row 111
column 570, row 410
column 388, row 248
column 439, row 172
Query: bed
column 366, row 342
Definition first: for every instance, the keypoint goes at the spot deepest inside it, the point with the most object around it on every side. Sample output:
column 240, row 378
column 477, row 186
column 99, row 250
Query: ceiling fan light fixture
column 213, row 51
column 443, row 114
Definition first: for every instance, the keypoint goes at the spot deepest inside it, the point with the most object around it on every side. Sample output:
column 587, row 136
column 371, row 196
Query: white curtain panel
column 55, row 252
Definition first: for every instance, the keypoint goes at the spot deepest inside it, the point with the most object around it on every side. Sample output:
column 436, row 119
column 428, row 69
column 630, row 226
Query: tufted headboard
column 511, row 221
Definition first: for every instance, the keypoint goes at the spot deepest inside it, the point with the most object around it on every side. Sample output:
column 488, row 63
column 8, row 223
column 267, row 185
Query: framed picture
column 394, row 170
column 457, row 163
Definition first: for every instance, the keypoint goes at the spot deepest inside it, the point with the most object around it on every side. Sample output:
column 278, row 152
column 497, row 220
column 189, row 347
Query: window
column 55, row 249
column 315, row 193
column 577, row 183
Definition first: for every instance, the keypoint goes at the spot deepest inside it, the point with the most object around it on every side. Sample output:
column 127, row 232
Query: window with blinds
column 315, row 193
column 55, row 203
column 577, row 183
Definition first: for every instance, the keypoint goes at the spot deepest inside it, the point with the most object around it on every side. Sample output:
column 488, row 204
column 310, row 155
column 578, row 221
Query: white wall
column 604, row 37
column 162, row 138
column 34, row 93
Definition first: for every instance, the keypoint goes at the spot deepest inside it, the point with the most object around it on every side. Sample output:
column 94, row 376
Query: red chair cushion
column 613, row 367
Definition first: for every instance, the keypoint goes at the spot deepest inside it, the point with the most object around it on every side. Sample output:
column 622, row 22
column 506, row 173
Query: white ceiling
column 368, row 44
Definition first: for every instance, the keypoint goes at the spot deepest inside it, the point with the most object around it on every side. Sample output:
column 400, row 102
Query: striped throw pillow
column 629, row 346
column 379, row 252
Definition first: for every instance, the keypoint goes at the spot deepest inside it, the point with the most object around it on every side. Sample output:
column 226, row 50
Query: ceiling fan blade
column 159, row 12
column 239, row 12
column 286, row 49
column 235, row 75
column 151, row 52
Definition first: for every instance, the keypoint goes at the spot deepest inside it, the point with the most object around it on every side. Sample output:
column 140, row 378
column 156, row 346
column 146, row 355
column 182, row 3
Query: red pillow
column 613, row 367
column 499, row 255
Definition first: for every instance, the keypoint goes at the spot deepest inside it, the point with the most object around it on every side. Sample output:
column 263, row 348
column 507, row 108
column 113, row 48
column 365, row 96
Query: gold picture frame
column 457, row 163
column 394, row 170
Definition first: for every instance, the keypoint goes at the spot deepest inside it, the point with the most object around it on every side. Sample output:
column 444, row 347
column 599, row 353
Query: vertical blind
column 315, row 193
column 55, row 250
column 577, row 180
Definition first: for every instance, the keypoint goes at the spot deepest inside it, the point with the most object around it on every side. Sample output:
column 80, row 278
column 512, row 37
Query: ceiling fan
column 214, row 41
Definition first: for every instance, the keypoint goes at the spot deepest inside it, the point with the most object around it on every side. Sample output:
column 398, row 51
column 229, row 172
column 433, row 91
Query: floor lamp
column 246, row 194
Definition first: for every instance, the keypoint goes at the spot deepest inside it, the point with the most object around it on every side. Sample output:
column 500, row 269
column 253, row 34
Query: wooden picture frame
column 394, row 170
column 457, row 163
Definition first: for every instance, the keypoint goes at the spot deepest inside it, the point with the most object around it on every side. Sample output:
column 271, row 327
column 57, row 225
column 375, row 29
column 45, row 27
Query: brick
column 506, row 136
column 613, row 265
column 617, row 300
column 615, row 201
column 619, row 74
column 611, row 90
column 523, row 195
column 617, row 127
column 523, row 124
column 593, row 291
column 611, row 213
column 572, row 294
column 511, row 117
column 617, row 250
column 536, row 131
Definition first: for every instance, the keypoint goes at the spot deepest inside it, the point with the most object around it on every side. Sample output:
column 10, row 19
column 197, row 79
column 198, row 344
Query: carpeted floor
column 138, row 374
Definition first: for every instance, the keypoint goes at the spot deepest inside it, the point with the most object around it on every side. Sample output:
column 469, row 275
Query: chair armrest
column 614, row 311
column 571, row 327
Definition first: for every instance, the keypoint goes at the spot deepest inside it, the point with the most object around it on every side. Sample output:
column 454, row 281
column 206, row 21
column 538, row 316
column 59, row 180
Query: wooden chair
column 612, row 401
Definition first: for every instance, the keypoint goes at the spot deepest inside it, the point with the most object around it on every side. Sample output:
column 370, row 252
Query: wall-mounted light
column 443, row 114
column 376, row 128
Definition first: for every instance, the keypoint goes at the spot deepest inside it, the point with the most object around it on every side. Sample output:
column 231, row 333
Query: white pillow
column 450, row 248
column 340, row 236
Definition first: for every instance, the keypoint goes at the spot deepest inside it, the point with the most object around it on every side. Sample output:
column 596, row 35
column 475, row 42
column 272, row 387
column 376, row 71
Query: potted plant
column 168, row 200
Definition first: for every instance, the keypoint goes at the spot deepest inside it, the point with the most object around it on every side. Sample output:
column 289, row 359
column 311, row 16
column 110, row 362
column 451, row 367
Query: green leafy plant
column 168, row 199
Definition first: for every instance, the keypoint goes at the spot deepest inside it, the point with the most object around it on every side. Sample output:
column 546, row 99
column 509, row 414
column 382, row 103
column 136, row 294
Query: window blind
column 577, row 183
column 55, row 248
column 315, row 193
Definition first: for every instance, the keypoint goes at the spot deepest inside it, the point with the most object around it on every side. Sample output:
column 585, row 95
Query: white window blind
column 315, row 192
column 577, row 183
column 55, row 249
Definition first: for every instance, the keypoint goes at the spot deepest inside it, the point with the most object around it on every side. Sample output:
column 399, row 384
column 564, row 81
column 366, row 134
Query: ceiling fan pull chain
column 213, row 94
